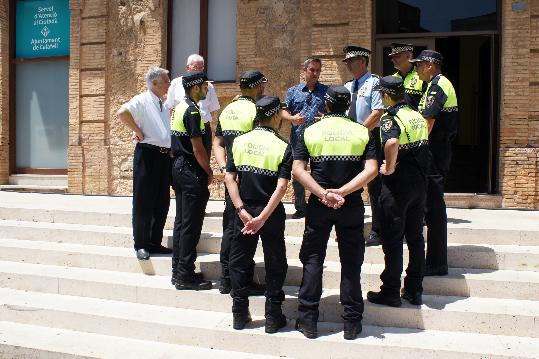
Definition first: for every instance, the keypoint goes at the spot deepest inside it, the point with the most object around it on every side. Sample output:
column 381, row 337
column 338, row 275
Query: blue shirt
column 367, row 99
column 300, row 99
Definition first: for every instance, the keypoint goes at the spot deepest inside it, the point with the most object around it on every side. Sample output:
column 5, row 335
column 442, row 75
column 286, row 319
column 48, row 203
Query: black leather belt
column 164, row 150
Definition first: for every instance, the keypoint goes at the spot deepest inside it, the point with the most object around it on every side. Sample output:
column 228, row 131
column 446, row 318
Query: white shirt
column 176, row 93
column 152, row 121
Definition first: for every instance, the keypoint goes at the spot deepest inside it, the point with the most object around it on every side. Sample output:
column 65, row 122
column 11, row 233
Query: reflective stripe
column 337, row 137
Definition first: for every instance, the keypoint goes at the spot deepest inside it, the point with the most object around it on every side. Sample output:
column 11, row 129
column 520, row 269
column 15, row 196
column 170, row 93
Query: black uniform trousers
column 151, row 195
column 402, row 199
column 299, row 196
column 228, row 230
column 375, row 185
column 436, row 213
column 242, row 251
column 348, row 222
column 190, row 184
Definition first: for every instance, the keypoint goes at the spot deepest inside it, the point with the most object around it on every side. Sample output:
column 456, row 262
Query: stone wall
column 4, row 92
column 519, row 125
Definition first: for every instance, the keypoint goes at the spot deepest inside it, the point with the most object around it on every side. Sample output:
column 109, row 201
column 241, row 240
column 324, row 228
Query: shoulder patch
column 430, row 100
column 386, row 124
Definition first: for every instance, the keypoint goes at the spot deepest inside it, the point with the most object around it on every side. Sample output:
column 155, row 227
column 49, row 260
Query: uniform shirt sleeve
column 376, row 99
column 192, row 121
column 213, row 101
column 389, row 128
column 285, row 168
column 370, row 149
column 230, row 165
column 434, row 102
column 136, row 109
column 218, row 129
column 300, row 149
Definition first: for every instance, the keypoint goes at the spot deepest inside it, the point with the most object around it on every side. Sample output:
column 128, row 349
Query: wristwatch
column 238, row 210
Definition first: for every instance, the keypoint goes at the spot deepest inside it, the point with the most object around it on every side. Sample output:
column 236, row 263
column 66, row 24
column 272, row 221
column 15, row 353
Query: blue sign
column 42, row 28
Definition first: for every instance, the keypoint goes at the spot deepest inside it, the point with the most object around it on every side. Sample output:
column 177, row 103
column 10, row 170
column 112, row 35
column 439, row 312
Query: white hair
column 194, row 58
column 154, row 73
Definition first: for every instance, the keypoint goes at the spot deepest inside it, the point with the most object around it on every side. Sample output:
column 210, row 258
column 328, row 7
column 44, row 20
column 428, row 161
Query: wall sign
column 42, row 28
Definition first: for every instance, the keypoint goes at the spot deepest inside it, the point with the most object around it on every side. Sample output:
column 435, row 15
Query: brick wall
column 519, row 124
column 4, row 92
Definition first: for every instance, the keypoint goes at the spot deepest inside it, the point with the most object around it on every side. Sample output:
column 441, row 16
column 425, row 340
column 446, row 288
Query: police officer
column 262, row 161
column 343, row 160
column 236, row 119
column 191, row 176
column 400, row 55
column 404, row 137
column 440, row 108
column 366, row 108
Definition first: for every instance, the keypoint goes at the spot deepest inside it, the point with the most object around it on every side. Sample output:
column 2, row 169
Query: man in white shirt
column 149, row 118
column 208, row 106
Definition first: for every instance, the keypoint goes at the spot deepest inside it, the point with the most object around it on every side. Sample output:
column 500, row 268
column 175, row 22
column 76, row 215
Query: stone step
column 33, row 188
column 476, row 315
column 54, row 343
column 470, row 255
column 460, row 282
column 210, row 329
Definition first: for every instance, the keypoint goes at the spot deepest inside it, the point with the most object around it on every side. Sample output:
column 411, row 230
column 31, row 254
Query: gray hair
column 308, row 61
column 194, row 58
column 154, row 73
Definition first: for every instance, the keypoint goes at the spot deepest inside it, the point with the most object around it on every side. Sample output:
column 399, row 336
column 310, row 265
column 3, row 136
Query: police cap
column 194, row 79
column 397, row 48
column 354, row 51
column 338, row 95
column 391, row 85
column 429, row 56
column 251, row 79
column 268, row 106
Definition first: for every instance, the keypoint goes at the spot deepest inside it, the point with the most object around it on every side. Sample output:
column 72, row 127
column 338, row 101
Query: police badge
column 413, row 81
column 386, row 125
column 430, row 101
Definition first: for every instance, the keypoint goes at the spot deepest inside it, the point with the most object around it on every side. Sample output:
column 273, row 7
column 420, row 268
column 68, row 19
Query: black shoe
column 240, row 320
column 373, row 240
column 160, row 250
column 174, row 278
column 308, row 329
column 225, row 286
column 274, row 324
column 195, row 284
column 256, row 289
column 298, row 215
column 143, row 254
column 382, row 298
column 351, row 330
column 435, row 271
column 414, row 298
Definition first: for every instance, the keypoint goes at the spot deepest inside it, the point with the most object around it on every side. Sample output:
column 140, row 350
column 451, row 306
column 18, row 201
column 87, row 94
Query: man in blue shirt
column 304, row 102
column 366, row 108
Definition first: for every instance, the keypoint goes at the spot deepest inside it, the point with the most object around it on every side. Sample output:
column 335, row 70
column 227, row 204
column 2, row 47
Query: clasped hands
column 333, row 198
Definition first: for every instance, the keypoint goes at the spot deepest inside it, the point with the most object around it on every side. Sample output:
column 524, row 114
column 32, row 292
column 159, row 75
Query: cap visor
column 415, row 60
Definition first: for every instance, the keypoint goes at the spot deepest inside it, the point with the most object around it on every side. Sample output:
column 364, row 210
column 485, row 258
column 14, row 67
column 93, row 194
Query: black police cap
column 194, row 79
column 397, row 48
column 429, row 56
column 251, row 79
column 338, row 95
column 354, row 51
column 391, row 85
column 268, row 106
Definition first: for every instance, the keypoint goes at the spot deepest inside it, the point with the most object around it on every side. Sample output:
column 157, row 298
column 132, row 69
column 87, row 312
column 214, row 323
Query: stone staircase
column 70, row 286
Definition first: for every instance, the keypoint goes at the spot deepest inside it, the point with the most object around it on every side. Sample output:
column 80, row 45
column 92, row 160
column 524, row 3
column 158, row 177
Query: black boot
column 385, row 299
column 275, row 319
column 414, row 298
column 240, row 320
column 224, row 285
column 194, row 284
column 174, row 278
column 308, row 328
column 351, row 330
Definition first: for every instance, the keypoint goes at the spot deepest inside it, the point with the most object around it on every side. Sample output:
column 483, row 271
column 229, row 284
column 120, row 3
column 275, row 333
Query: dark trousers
column 228, row 230
column 436, row 213
column 348, row 222
column 190, row 184
column 403, row 209
column 242, row 251
column 299, row 196
column 151, row 196
column 375, row 185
